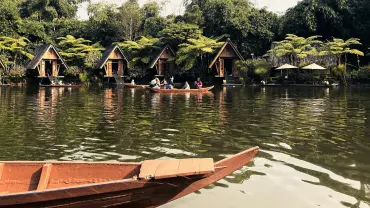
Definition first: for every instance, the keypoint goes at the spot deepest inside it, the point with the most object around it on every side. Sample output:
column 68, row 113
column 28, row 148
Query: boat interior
column 16, row 177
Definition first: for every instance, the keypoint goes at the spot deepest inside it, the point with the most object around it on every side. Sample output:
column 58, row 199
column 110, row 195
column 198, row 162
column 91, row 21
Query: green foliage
column 84, row 77
column 141, row 51
column 189, row 53
column 73, row 71
column 16, row 47
column 295, row 48
column 342, row 19
column 92, row 58
column 363, row 74
column 178, row 33
column 15, row 74
column 339, row 71
column 256, row 69
column 75, row 50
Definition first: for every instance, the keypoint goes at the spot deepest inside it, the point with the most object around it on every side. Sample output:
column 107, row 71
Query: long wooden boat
column 150, row 183
column 65, row 86
column 202, row 90
column 128, row 85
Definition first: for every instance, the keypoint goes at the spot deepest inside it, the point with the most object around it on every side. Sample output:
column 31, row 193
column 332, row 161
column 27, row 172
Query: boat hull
column 203, row 90
column 63, row 86
column 135, row 86
column 128, row 192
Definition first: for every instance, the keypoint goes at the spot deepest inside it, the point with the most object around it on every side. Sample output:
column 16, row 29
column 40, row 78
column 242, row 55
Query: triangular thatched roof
column 227, row 42
column 286, row 66
column 107, row 53
column 154, row 61
column 40, row 52
column 314, row 67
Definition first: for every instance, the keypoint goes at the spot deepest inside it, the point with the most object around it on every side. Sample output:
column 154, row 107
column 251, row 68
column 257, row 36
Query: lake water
column 315, row 143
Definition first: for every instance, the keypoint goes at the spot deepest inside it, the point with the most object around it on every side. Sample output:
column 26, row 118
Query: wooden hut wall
column 51, row 57
column 166, row 67
column 227, row 54
column 115, row 57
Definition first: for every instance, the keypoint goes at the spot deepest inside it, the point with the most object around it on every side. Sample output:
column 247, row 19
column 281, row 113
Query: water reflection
column 315, row 141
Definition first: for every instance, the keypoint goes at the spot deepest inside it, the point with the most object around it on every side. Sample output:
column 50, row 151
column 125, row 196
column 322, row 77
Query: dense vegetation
column 195, row 35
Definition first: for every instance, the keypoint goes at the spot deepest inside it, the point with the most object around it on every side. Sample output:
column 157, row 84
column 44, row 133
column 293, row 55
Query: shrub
column 73, row 71
column 16, row 74
column 363, row 74
column 339, row 71
column 255, row 69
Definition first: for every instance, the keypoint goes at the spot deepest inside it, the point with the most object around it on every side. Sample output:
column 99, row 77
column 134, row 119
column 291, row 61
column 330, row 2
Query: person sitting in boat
column 133, row 82
column 164, row 82
column 199, row 84
column 153, row 84
column 186, row 86
column 168, row 85
column 157, row 81
column 171, row 80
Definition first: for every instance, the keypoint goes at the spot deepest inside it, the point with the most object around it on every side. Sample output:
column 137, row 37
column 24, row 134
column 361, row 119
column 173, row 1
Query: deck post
column 45, row 176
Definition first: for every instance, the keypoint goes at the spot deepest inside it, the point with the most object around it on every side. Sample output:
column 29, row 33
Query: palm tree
column 295, row 48
column 141, row 50
column 15, row 46
column 77, row 47
column 188, row 53
column 339, row 48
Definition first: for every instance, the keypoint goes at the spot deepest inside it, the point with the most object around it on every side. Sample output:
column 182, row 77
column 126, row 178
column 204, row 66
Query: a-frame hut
column 48, row 62
column 2, row 65
column 224, row 62
column 162, row 63
column 114, row 62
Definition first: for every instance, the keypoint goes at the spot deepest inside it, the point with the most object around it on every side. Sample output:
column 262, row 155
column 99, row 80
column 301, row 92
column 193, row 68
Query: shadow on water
column 314, row 142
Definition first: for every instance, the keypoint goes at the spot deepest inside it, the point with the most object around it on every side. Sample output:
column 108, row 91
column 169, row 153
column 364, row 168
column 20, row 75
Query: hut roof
column 227, row 42
column 107, row 53
column 152, row 64
column 40, row 52
column 287, row 66
column 2, row 65
column 314, row 66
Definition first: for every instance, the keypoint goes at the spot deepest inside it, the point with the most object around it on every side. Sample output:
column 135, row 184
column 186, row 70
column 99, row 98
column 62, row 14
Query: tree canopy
column 329, row 23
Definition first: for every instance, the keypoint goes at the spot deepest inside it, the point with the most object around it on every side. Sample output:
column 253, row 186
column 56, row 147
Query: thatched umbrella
column 314, row 67
column 284, row 67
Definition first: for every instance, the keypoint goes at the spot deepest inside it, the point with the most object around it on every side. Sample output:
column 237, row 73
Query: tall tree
column 178, row 33
column 130, row 18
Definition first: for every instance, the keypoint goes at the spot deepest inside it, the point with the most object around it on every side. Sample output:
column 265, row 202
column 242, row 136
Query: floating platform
column 232, row 85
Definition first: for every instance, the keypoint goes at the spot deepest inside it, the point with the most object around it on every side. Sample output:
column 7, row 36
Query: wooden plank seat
column 160, row 169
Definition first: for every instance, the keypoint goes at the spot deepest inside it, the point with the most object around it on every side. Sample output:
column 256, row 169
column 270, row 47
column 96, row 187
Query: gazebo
column 285, row 67
column 314, row 67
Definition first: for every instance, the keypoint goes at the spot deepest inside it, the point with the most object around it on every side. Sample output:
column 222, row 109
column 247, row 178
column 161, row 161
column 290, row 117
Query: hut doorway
column 228, row 66
column 49, row 67
column 115, row 68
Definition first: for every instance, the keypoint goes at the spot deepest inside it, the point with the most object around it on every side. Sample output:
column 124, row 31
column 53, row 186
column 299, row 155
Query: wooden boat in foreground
column 128, row 85
column 65, row 86
column 78, row 184
column 202, row 90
